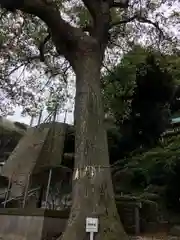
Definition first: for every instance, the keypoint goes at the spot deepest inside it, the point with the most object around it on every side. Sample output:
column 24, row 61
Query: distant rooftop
column 176, row 120
column 11, row 126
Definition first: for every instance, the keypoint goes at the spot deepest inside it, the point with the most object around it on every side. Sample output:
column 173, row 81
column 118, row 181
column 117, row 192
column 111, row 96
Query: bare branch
column 155, row 24
column 124, row 21
column 140, row 19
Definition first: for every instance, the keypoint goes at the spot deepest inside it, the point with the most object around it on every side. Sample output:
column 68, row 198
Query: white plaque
column 91, row 224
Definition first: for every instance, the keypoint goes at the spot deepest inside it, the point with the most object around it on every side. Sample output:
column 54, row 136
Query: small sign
column 91, row 224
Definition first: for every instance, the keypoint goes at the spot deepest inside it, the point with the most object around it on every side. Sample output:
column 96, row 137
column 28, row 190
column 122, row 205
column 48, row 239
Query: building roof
column 10, row 126
column 176, row 120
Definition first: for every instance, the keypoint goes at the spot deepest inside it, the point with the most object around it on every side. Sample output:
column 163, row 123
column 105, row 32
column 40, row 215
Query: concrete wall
column 53, row 228
column 20, row 227
column 37, row 225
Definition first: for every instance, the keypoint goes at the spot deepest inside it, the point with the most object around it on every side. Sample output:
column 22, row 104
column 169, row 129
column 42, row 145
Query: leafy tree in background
column 150, row 112
column 160, row 170
column 84, row 44
column 141, row 93
column 119, row 84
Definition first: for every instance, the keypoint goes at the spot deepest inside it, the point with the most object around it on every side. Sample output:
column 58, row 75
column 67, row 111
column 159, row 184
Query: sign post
column 91, row 226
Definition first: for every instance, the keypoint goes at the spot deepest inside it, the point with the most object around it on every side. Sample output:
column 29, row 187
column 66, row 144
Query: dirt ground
column 156, row 236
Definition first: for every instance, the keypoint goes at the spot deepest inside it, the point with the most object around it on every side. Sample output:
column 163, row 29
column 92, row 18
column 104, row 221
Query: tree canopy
column 30, row 64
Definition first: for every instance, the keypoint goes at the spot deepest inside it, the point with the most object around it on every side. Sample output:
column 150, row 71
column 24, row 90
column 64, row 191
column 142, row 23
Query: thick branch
column 100, row 12
column 93, row 7
column 42, row 45
column 65, row 37
column 120, row 4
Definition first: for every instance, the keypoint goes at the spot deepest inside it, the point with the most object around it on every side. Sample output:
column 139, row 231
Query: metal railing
column 29, row 194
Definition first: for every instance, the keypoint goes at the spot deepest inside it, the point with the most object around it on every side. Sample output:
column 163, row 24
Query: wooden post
column 7, row 192
column 26, row 191
column 48, row 187
column 137, row 220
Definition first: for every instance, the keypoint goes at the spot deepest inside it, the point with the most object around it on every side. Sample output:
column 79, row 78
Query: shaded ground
column 152, row 237
column 156, row 236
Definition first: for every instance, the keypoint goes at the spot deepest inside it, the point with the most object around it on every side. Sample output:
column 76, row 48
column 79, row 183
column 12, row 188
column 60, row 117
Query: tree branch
column 93, row 7
column 65, row 37
column 155, row 24
column 120, row 4
column 42, row 45
column 100, row 12
column 124, row 21
column 140, row 19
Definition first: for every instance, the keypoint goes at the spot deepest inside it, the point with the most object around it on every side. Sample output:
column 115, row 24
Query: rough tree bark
column 92, row 186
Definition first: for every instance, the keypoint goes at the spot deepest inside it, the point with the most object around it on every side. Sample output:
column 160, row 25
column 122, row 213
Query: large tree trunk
column 92, row 186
